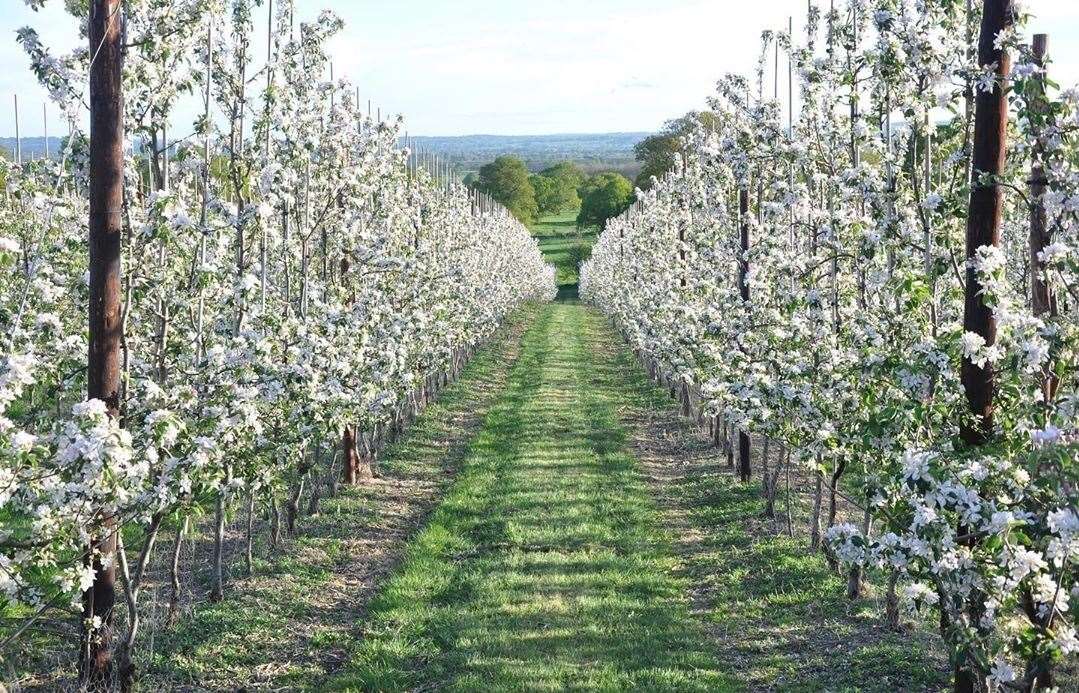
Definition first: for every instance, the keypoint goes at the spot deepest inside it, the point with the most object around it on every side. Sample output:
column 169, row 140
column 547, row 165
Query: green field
column 557, row 563
column 546, row 567
column 565, row 247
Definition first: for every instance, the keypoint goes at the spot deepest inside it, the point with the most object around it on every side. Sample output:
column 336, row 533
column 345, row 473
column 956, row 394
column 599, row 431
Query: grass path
column 545, row 567
column 779, row 610
column 564, row 246
column 550, row 524
column 286, row 626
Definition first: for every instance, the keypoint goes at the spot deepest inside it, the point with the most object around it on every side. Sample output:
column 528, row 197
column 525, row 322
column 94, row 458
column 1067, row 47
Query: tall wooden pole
column 984, row 216
column 983, row 229
column 103, row 362
column 1042, row 300
column 18, row 135
column 744, row 443
column 1043, row 304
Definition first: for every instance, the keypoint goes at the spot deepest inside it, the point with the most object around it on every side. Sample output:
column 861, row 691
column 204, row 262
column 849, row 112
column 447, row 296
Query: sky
column 510, row 67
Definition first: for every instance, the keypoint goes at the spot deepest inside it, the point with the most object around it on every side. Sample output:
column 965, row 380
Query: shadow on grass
column 288, row 623
column 543, row 569
column 568, row 293
column 779, row 610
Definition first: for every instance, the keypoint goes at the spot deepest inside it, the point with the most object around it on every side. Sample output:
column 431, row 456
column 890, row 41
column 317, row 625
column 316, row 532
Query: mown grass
column 779, row 609
column 545, row 568
column 784, row 612
column 288, row 624
column 565, row 247
column 549, row 566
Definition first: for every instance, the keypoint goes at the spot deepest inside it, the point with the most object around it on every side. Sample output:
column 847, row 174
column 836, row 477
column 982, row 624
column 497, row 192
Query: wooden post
column 984, row 216
column 103, row 359
column 18, row 136
column 744, row 442
column 1042, row 300
column 1043, row 303
column 983, row 229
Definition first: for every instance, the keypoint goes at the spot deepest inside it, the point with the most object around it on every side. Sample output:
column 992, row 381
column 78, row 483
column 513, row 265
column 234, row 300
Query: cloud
column 638, row 83
column 522, row 68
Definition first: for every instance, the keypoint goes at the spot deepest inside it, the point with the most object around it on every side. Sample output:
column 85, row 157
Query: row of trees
column 560, row 188
column 268, row 305
column 883, row 283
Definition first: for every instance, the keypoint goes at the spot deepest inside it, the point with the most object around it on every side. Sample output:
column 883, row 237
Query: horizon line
column 545, row 134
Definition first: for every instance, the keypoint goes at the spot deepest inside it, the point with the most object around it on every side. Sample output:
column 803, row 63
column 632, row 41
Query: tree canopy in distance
column 561, row 188
column 604, row 196
column 506, row 180
column 556, row 188
column 658, row 153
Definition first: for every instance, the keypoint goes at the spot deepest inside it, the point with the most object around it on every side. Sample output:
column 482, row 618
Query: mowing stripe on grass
column 545, row 567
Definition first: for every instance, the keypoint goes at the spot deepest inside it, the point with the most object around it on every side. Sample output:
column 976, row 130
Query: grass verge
column 545, row 568
column 566, row 247
column 779, row 611
column 287, row 625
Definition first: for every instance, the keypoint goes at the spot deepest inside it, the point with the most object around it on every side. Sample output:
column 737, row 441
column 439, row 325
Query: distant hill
column 32, row 147
column 592, row 152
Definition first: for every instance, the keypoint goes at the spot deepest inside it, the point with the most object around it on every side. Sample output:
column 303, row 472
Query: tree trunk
column 983, row 229
column 833, row 488
column 106, row 173
column 316, row 481
column 292, row 510
column 174, row 574
column 744, row 445
column 766, row 481
column 217, row 590
column 854, row 579
column 132, row 588
column 790, row 518
column 275, row 523
column 891, row 602
column 348, row 452
column 818, row 502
